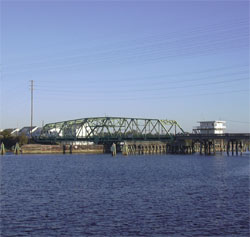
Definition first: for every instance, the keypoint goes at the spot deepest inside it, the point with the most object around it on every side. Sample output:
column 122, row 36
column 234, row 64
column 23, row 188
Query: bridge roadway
column 101, row 129
column 189, row 143
column 225, row 136
column 210, row 143
column 108, row 130
column 163, row 138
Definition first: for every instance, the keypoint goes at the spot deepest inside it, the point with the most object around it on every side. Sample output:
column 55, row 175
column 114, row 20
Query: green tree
column 22, row 139
column 7, row 139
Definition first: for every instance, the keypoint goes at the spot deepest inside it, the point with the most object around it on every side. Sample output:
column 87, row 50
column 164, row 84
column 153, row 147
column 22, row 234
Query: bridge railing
column 104, row 128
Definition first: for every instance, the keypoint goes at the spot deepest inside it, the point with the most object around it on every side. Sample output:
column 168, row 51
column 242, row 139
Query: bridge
column 139, row 133
column 225, row 136
column 210, row 143
column 102, row 130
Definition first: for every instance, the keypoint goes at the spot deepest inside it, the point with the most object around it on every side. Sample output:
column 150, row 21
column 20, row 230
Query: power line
column 162, row 88
column 142, row 59
column 155, row 81
column 190, row 34
column 156, row 48
column 130, row 98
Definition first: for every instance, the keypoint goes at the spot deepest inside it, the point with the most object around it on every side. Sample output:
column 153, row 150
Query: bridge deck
column 225, row 136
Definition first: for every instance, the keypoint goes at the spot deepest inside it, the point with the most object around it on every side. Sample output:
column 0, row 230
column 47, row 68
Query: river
column 99, row 195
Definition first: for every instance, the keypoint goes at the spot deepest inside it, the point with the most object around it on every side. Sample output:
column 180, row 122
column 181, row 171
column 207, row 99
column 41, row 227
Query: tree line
column 9, row 140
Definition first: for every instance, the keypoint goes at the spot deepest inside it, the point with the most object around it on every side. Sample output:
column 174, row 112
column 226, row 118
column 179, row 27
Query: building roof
column 214, row 121
column 11, row 130
column 27, row 129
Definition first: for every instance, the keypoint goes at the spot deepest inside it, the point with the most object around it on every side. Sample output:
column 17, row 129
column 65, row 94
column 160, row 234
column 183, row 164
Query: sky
column 181, row 60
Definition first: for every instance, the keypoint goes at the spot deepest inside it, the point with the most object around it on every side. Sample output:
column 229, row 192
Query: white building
column 77, row 131
column 210, row 127
column 54, row 132
column 15, row 132
column 12, row 131
column 27, row 130
column 37, row 132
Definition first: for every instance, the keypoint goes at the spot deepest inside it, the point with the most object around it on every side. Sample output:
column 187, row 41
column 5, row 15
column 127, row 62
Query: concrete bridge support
column 145, row 148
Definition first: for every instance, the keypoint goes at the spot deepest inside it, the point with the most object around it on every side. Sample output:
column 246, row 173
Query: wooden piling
column 113, row 149
column 2, row 149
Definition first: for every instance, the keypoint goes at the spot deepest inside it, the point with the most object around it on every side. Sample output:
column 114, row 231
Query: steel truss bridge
column 110, row 129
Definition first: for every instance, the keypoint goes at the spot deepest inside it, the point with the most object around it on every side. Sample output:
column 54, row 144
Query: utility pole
column 31, row 111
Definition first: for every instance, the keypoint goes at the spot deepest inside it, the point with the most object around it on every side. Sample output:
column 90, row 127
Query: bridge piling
column 214, row 149
column 209, row 148
column 64, row 149
column 200, row 148
column 240, row 148
column 70, row 149
column 232, row 147
column 2, row 149
column 228, row 147
column 113, row 149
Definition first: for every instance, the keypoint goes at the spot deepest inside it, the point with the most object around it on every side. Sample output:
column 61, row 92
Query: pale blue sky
column 181, row 60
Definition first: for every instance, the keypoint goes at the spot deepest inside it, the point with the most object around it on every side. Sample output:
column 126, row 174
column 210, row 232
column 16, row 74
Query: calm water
column 98, row 195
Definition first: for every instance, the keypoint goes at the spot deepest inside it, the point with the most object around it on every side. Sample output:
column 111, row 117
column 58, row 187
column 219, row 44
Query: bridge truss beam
column 104, row 129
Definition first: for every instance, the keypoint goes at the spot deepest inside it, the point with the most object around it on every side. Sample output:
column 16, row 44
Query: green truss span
column 109, row 129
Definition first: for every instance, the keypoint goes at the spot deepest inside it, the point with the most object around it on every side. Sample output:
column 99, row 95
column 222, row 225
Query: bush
column 10, row 141
column 22, row 139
